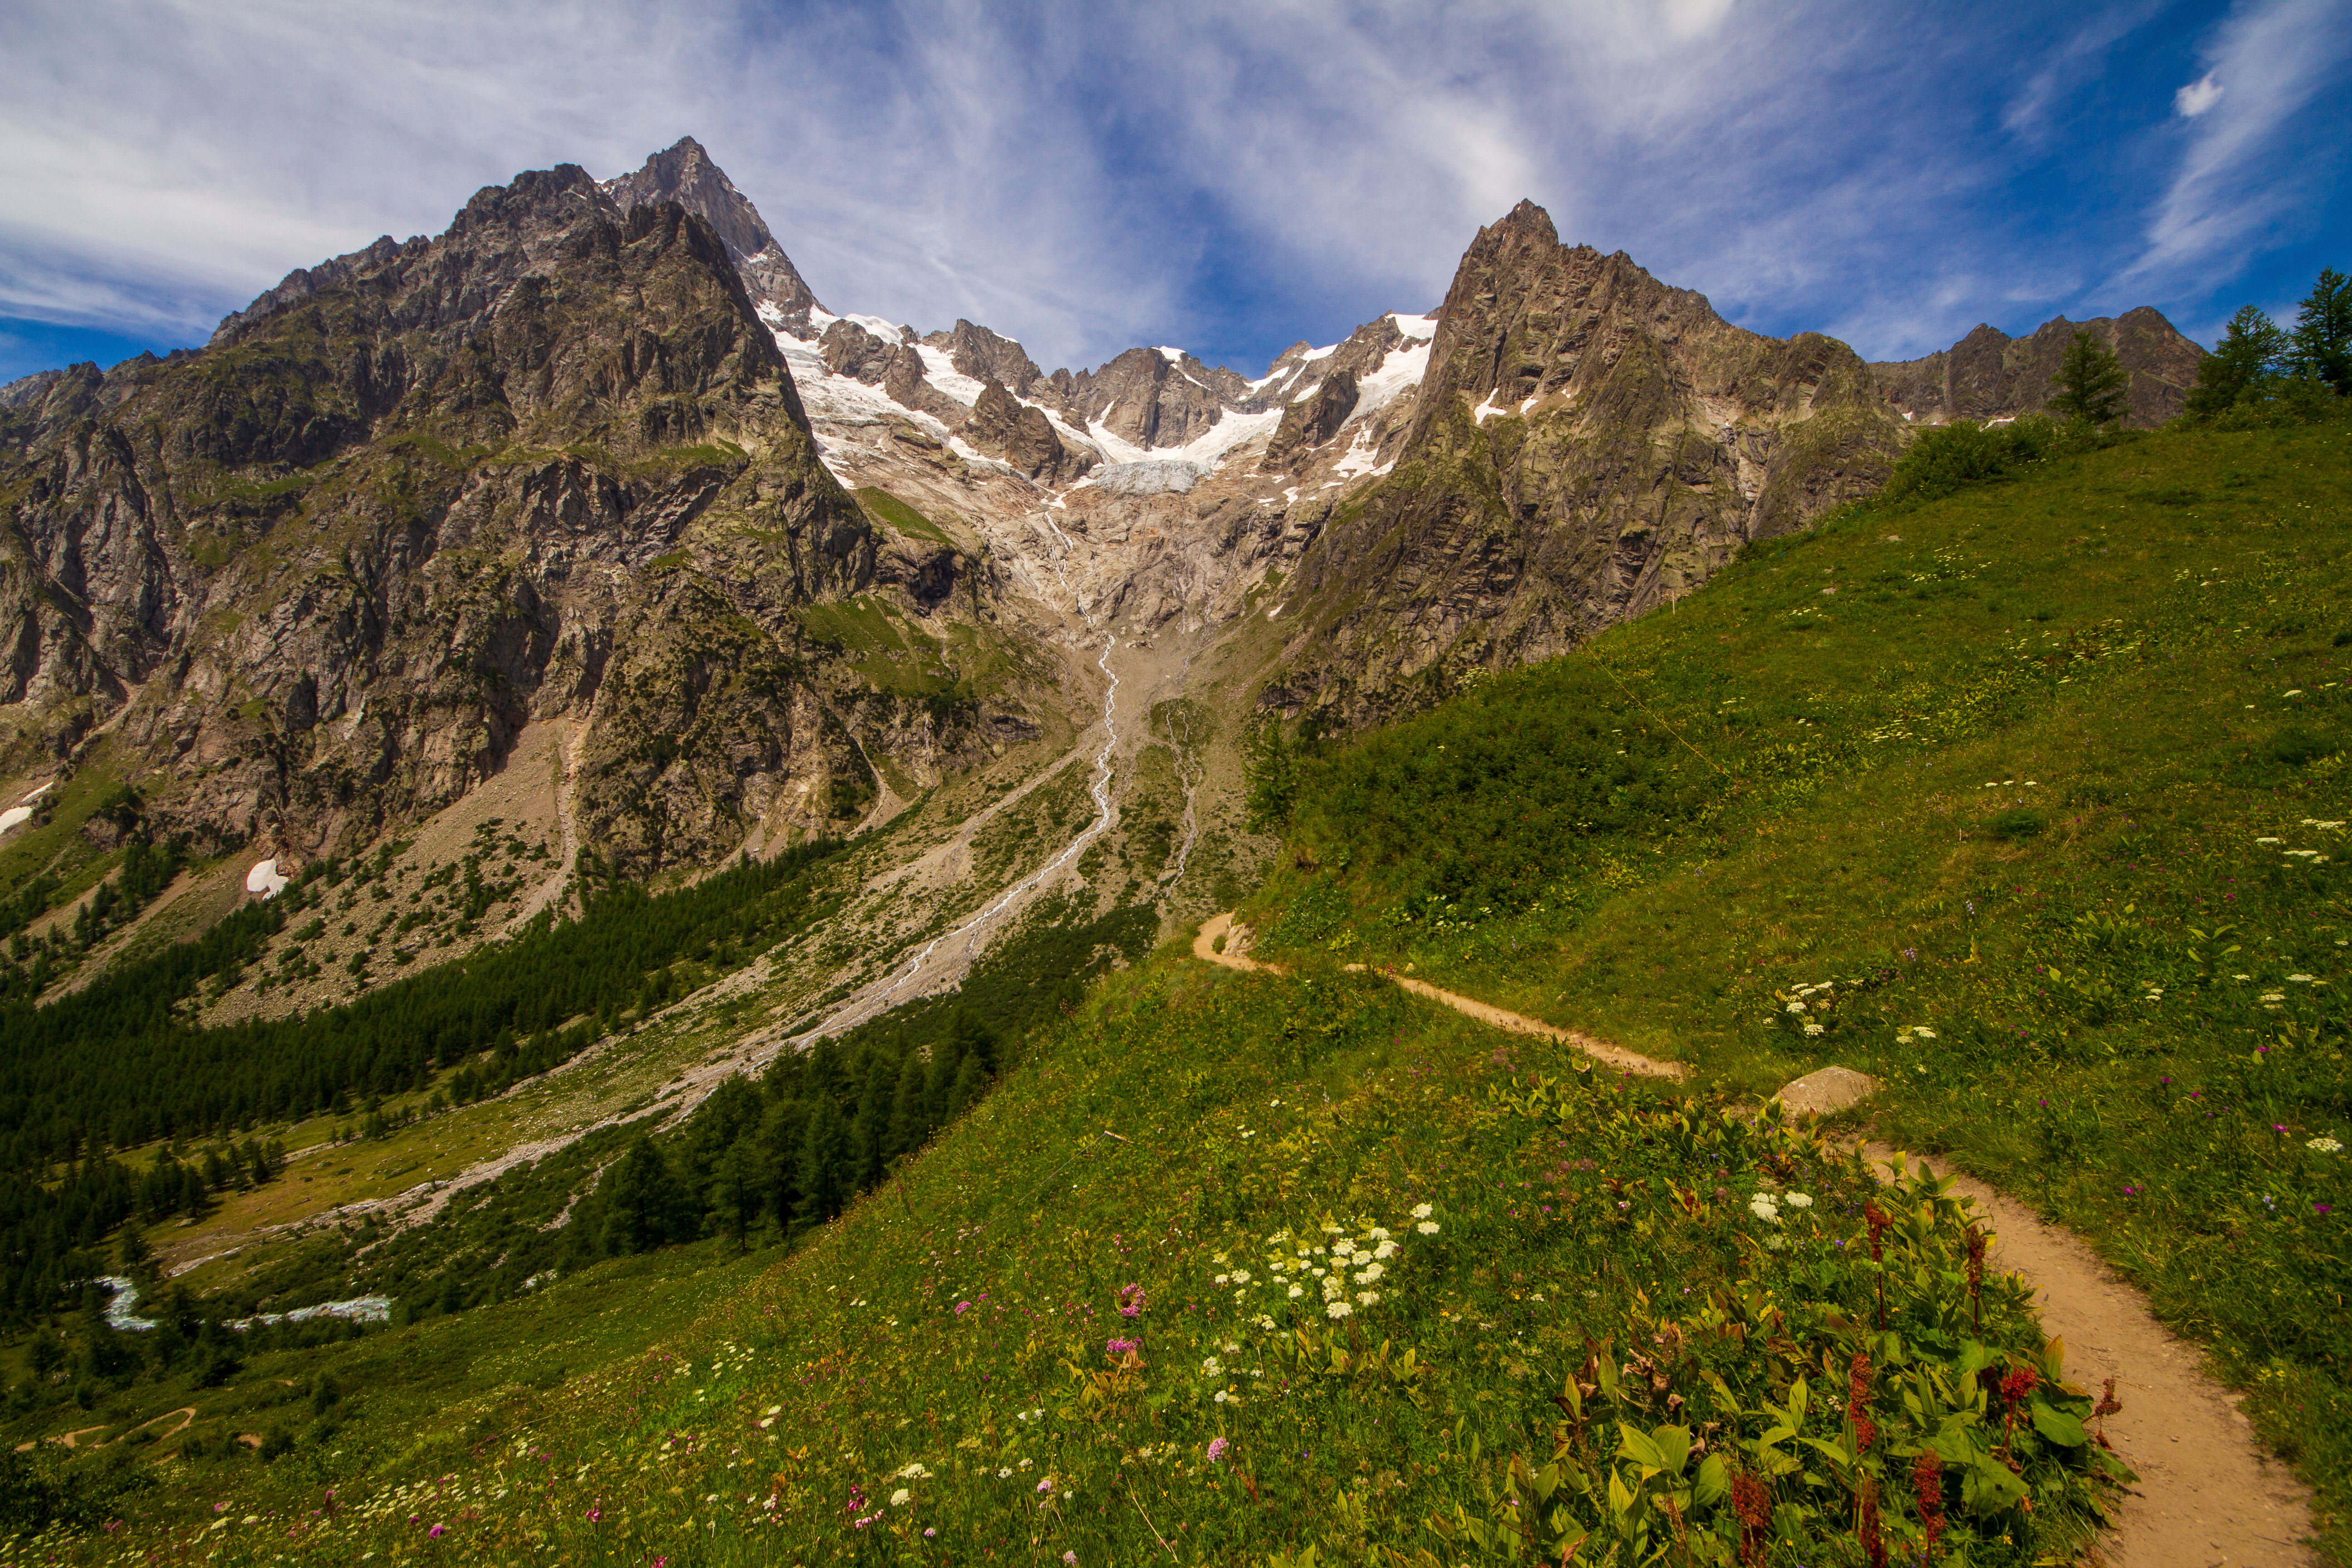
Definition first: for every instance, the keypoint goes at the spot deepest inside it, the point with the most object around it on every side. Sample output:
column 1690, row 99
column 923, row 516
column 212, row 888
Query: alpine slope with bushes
column 2020, row 788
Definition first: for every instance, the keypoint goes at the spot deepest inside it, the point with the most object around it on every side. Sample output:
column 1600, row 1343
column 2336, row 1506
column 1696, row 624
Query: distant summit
column 684, row 173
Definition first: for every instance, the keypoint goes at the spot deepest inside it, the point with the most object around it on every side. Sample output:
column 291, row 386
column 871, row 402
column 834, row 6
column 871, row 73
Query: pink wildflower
column 1217, row 1446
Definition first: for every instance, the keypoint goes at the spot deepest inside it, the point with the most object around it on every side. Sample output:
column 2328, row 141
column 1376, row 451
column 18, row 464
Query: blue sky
column 1228, row 175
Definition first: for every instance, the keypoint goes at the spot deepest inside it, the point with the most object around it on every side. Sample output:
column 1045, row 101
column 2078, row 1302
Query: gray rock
column 1157, row 476
column 1825, row 1090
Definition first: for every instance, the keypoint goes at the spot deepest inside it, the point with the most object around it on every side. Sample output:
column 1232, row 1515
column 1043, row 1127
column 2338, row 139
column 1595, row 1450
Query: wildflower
column 1762, row 1206
column 1005, row 1474
column 1266, row 1323
column 1296, row 1291
column 1240, row 1275
column 1385, row 1249
column 1798, row 1201
column 928, row 1533
column 1422, row 1211
column 1071, row 1558
column 1046, row 1484
column 1924, row 1032
column 1217, row 1446
column 1812, row 1029
column 1927, row 1486
column 2324, row 1145
column 914, row 1472
column 436, row 1531
column 1131, row 1301
column 2298, row 980
column 1427, row 1228
column 900, row 1498
column 1336, row 1309
column 1213, row 1367
column 1370, row 1273
column 1121, row 1347
column 1752, row 1501
column 1372, row 1298
column 1796, row 1006
column 1222, row 1279
column 961, row 1307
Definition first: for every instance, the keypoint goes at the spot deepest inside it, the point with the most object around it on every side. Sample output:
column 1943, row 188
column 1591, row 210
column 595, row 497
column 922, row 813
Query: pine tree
column 735, row 1193
column 2321, row 343
column 644, row 1201
column 911, row 1121
column 2090, row 383
column 2248, row 352
column 826, row 1178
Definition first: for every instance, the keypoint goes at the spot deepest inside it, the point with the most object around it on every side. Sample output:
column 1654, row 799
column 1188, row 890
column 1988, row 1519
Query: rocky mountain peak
column 1988, row 375
column 684, row 173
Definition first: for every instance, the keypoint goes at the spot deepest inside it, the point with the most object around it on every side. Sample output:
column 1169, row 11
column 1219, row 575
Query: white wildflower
column 1367, row 1298
column 1336, row 1309
column 900, row 1498
column 1422, row 1211
column 1240, row 1275
column 1370, row 1274
column 1797, row 1200
column 2324, row 1145
column 1296, row 1291
column 1762, row 1206
column 1213, row 1367
column 1427, row 1228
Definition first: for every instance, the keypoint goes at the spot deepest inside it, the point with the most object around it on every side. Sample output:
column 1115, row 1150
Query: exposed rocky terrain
column 597, row 466
column 1990, row 375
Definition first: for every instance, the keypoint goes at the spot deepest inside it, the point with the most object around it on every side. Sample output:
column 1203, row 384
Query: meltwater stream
column 879, row 996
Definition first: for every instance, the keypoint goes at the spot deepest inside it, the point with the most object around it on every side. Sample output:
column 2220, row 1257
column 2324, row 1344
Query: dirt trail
column 2207, row 1493
column 1235, row 956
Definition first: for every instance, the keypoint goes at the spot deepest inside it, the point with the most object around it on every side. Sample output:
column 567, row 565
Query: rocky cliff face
column 684, row 174
column 1588, row 443
column 547, row 467
column 1990, row 375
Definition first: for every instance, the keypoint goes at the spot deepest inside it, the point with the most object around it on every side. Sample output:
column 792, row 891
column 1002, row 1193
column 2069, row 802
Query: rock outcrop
column 1588, row 442
column 1990, row 375
column 684, row 174
column 1313, row 419
column 1023, row 437
column 314, row 579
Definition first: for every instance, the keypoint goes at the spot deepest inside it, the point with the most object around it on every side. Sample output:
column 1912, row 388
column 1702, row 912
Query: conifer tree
column 2248, row 352
column 2090, row 383
column 2321, row 343
column 825, row 1172
column 910, row 1121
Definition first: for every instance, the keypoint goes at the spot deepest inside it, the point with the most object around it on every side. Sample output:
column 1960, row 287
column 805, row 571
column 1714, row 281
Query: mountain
column 1990, row 375
column 549, row 466
column 684, row 174
column 1588, row 443
column 592, row 486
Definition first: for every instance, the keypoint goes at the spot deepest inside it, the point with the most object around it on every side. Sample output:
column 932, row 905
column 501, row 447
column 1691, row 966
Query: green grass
column 2027, row 788
column 885, row 507
column 1571, row 1286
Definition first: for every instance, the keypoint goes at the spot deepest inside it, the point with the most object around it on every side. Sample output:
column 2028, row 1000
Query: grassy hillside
column 1256, row 1266
column 2031, row 800
column 1292, row 1269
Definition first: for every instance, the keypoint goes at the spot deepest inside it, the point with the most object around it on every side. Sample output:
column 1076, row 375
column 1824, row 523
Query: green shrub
column 2297, row 746
column 1955, row 456
column 2016, row 822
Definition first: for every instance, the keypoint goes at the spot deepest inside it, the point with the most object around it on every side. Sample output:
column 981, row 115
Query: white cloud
column 2268, row 62
column 2198, row 97
column 1090, row 174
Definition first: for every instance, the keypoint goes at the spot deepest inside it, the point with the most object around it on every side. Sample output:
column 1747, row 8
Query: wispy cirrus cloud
column 2241, row 172
column 1225, row 174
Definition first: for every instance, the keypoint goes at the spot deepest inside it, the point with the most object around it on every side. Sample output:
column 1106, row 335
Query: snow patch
column 265, row 879
column 21, row 813
column 1422, row 327
column 1399, row 369
column 940, row 370
column 1174, row 356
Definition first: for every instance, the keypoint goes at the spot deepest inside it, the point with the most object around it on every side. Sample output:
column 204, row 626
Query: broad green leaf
column 1987, row 1488
column 1674, row 1447
column 1621, row 1503
column 1797, row 1398
column 2058, row 1427
column 1713, row 1481
column 1834, row 1452
column 1636, row 1445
